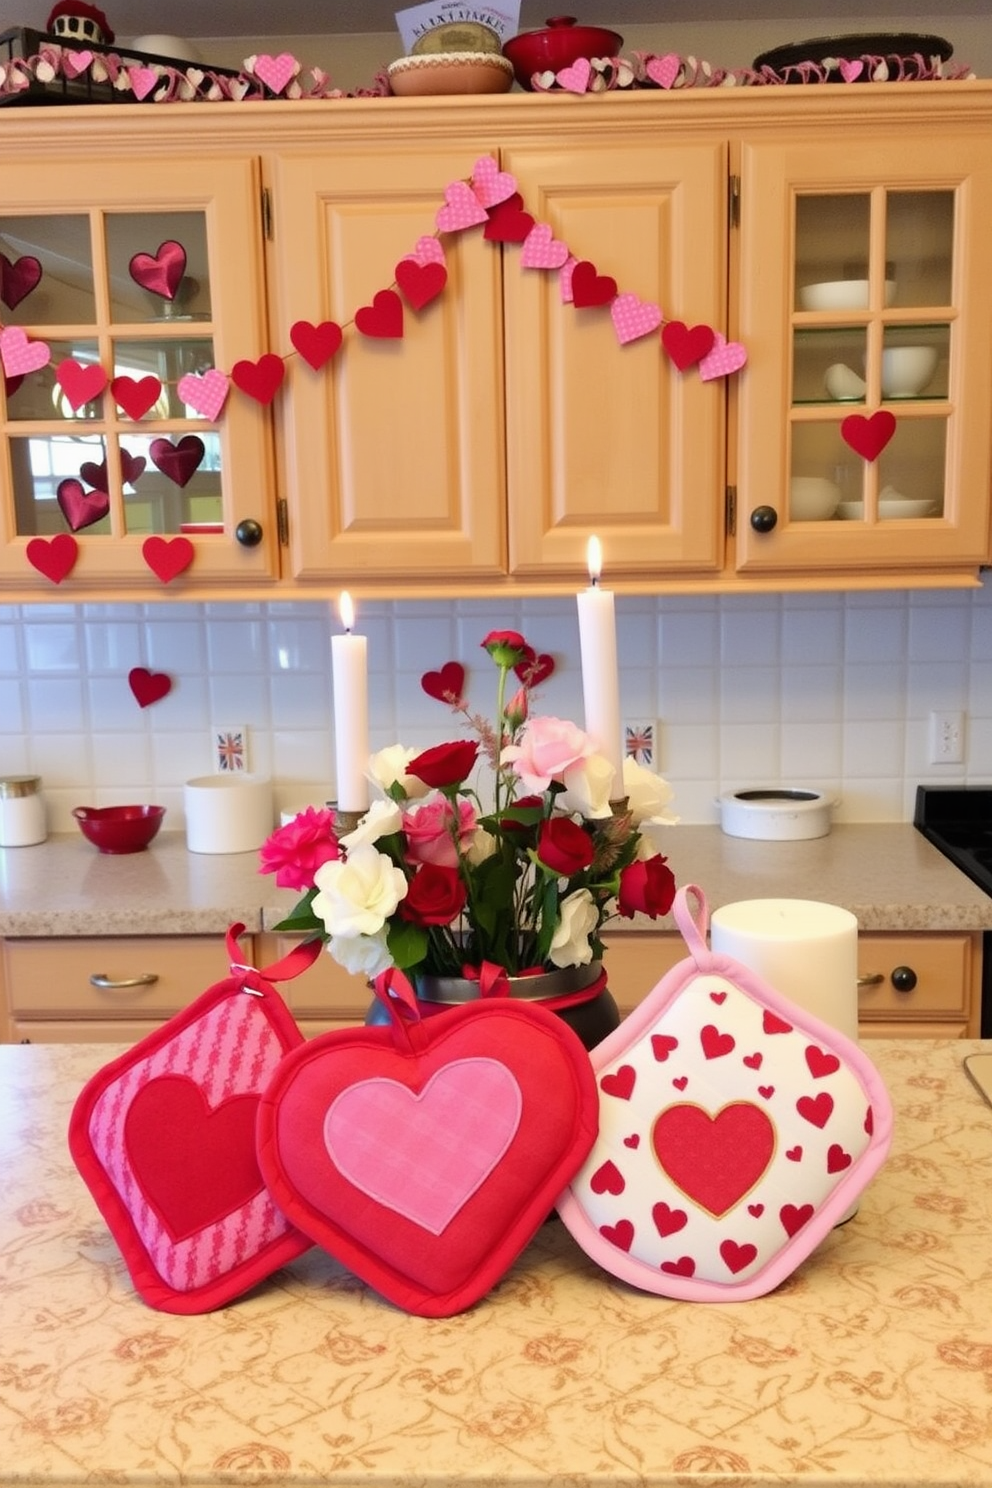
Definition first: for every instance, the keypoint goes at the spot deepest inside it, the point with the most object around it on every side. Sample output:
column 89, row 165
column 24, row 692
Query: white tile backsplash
column 827, row 690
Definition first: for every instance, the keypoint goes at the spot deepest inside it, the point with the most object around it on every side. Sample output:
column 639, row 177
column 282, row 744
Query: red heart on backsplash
column 382, row 319
column 160, row 272
column 686, row 346
column 261, row 380
column 508, row 222
column 136, row 395
column 868, row 435
column 55, row 557
column 179, row 462
column 420, row 283
column 315, row 343
column 167, row 557
column 591, row 288
column 534, row 669
column 18, row 279
column 81, row 384
column 148, row 687
column 445, row 685
column 81, row 508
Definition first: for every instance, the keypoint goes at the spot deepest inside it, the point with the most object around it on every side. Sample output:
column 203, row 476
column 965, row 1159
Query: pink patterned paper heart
column 462, row 208
column 275, row 72
column 206, row 394
column 142, row 80
column 428, row 249
column 724, row 358
column 19, row 354
column 160, row 272
column 575, row 79
column 81, row 384
column 664, row 70
column 633, row 317
column 542, row 250
column 565, row 279
column 81, row 508
column 489, row 183
column 851, row 68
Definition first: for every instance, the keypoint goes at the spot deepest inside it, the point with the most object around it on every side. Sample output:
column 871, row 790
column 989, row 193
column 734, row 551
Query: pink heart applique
column 18, row 279
column 179, row 462
column 590, row 288
column 55, row 557
column 136, row 395
column 261, row 380
column 142, row 80
column 508, row 222
column 420, row 283
column 383, row 319
column 428, row 249
column 575, row 79
column 542, row 250
column 316, row 343
column 160, row 272
column 275, row 72
column 75, row 62
column 462, row 208
column 633, row 318
column 148, row 687
column 18, row 354
column 205, row 393
column 79, row 507
column 81, row 384
column 686, row 346
column 850, row 68
column 490, row 184
column 724, row 357
column 445, row 685
column 868, row 435
column 382, row 1137
column 167, row 557
column 664, row 70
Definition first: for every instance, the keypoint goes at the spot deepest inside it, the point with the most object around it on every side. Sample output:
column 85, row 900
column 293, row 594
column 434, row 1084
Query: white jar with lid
column 22, row 811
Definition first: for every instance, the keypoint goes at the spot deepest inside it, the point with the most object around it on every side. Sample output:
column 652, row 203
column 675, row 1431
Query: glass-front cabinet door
column 126, row 299
column 865, row 420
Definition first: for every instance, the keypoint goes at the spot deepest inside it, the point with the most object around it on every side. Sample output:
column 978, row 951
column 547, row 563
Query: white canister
column 22, row 811
column 227, row 813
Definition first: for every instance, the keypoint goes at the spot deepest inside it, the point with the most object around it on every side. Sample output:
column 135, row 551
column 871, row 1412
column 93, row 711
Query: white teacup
column 812, row 498
column 906, row 370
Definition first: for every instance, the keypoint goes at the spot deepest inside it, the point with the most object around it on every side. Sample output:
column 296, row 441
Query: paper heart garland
column 575, row 79
column 590, row 288
column 664, row 70
column 261, row 380
column 316, row 344
column 633, row 317
column 490, row 184
column 276, row 72
column 508, row 222
column 160, row 272
column 81, row 384
column 18, row 354
column 18, row 279
column 142, row 80
column 75, row 62
column 132, row 468
column 723, row 358
column 136, row 395
column 179, row 462
column 542, row 250
column 206, row 394
column 383, row 319
column 420, row 283
column 148, row 687
column 868, row 435
column 167, row 557
column 79, row 507
column 55, row 557
column 462, row 209
column 686, row 345
column 428, row 250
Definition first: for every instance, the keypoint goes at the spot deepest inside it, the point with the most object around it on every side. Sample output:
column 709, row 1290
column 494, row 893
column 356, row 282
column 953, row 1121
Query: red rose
column 506, row 647
column 646, row 887
column 564, row 847
column 436, row 896
column 445, row 764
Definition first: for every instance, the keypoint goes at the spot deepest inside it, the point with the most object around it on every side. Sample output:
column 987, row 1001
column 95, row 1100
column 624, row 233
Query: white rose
column 587, row 788
column 388, row 768
column 481, row 845
column 382, row 819
column 648, row 795
column 570, row 942
column 363, row 955
column 356, row 895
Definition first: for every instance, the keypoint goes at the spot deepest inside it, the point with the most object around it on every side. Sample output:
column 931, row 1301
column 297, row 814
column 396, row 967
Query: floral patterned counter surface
column 871, row 1365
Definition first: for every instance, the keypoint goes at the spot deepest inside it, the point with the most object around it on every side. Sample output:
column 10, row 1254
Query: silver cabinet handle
column 871, row 979
column 107, row 984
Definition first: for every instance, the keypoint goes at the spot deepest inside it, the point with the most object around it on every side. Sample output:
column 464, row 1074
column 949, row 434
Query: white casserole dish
column 776, row 814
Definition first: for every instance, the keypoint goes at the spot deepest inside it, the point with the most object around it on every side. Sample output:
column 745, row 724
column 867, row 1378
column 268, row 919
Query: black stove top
column 958, row 820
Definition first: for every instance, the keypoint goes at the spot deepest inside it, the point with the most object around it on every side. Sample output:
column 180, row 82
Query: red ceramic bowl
column 561, row 44
column 119, row 829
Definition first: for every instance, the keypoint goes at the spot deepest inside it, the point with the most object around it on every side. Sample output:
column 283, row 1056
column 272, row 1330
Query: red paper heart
column 167, row 557
column 382, row 319
column 316, row 343
column 160, row 272
column 590, row 288
column 55, row 557
column 261, row 380
column 179, row 462
column 714, row 1160
column 868, row 435
column 686, row 346
column 81, row 508
column 136, row 396
column 445, row 685
column 205, row 1168
column 81, row 384
column 508, row 222
column 534, row 669
column 420, row 283
column 18, row 279
column 148, row 687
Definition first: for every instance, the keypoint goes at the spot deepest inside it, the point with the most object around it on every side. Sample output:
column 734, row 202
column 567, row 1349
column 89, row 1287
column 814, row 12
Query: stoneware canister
column 22, row 811
column 227, row 813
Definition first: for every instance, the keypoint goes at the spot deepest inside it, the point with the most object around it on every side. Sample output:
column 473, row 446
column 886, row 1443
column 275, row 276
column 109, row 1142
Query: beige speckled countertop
column 888, row 875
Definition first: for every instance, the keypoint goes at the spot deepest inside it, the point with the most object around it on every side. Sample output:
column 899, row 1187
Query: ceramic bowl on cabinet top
column 841, row 294
column 433, row 73
column 119, row 829
column 560, row 44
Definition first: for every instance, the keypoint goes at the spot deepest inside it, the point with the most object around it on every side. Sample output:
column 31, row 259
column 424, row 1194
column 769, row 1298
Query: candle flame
column 346, row 610
column 594, row 559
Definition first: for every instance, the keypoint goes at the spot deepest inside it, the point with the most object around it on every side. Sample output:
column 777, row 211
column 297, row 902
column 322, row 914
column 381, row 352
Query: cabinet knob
column 903, row 978
column 249, row 533
column 763, row 518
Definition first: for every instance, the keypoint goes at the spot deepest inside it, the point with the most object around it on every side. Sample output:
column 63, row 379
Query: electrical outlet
column 946, row 738
column 230, row 749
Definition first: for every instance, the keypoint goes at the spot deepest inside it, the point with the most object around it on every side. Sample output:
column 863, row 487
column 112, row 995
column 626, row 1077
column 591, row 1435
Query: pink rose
column 435, row 835
column 548, row 746
column 295, row 852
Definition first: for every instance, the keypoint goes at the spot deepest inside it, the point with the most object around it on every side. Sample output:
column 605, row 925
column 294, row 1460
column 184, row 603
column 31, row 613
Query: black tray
column 22, row 42
column 850, row 48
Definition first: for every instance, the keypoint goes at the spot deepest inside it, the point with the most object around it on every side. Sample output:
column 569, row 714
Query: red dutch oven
column 559, row 45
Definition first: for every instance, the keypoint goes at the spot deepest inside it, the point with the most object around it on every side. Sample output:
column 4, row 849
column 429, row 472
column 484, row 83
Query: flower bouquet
column 508, row 876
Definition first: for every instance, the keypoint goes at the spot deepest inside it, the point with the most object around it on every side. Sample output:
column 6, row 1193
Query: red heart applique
column 383, row 319
column 508, row 222
column 794, row 1216
column 80, row 384
column 668, row 1221
column 772, row 1023
column 816, row 1109
column 316, row 343
column 686, row 346
column 663, row 1044
column 81, row 508
column 148, row 687
column 821, row 1063
column 868, row 435
column 620, row 1083
column 211, row 1168
column 18, row 279
column 55, row 557
column 714, row 1160
column 607, row 1179
column 715, row 1044
column 837, row 1158
column 737, row 1257
column 445, row 685
column 136, row 395
column 179, row 462
column 160, row 272
column 621, row 1234
column 167, row 556
column 420, row 283
column 590, row 288
column 261, row 380
column 684, row 1266
column 753, row 1061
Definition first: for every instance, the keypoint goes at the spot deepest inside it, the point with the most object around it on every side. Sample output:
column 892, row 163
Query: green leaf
column 407, row 944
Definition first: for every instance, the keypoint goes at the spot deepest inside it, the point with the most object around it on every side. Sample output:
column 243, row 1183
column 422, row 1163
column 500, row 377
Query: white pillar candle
column 805, row 950
column 600, row 679
column 349, row 661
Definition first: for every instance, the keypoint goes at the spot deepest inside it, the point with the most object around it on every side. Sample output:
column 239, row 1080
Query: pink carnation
column 295, row 852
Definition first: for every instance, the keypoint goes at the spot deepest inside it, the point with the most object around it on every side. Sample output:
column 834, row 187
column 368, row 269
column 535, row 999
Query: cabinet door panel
column 393, row 450
column 604, row 437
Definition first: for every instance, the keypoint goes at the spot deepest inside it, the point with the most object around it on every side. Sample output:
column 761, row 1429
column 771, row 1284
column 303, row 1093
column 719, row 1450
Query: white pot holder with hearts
column 735, row 1130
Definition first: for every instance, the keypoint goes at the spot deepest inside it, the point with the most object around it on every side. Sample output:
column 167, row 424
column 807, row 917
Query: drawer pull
column 871, row 979
column 106, row 984
column 903, row 978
